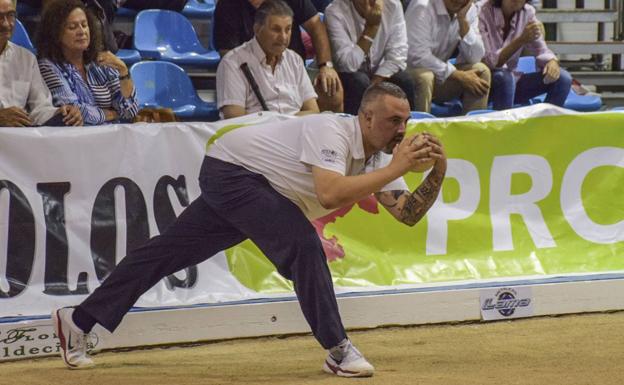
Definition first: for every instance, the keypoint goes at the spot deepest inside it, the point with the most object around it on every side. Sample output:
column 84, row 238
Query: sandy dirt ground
column 571, row 350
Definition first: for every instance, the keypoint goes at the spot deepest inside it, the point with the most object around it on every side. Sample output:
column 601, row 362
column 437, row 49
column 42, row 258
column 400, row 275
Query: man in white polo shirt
column 265, row 182
column 279, row 81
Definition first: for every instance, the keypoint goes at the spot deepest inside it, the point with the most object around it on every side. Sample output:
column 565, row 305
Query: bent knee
column 484, row 71
column 422, row 77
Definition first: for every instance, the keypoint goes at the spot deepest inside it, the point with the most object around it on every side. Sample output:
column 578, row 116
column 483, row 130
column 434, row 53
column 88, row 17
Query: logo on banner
column 33, row 341
column 506, row 303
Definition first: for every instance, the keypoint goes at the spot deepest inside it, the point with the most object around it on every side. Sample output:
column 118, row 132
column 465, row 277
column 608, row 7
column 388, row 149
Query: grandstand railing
column 613, row 12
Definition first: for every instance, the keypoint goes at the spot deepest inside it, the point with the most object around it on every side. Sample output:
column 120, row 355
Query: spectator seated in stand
column 509, row 28
column 369, row 42
column 24, row 98
column 234, row 21
column 436, row 29
column 75, row 69
column 280, row 75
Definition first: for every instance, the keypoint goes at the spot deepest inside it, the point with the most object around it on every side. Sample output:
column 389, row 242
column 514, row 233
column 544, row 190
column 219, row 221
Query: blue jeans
column 506, row 91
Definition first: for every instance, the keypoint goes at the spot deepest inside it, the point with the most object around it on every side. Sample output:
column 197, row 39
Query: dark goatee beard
column 390, row 147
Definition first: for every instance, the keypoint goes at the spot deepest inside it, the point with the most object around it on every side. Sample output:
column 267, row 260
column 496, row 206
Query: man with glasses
column 277, row 71
column 24, row 98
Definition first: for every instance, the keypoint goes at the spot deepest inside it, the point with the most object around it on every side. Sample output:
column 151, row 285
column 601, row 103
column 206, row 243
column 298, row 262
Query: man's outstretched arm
column 408, row 207
column 335, row 190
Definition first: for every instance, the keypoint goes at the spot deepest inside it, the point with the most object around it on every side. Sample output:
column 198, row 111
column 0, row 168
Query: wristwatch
column 327, row 64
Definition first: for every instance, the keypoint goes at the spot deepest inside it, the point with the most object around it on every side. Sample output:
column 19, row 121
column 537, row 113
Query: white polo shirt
column 284, row 90
column 21, row 84
column 284, row 153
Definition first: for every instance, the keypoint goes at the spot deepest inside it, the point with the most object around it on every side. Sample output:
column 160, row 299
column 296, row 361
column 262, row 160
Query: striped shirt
column 101, row 91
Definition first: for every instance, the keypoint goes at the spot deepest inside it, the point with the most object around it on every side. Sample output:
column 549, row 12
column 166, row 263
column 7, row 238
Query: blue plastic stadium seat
column 126, row 13
column 526, row 64
column 21, row 38
column 450, row 108
column 163, row 84
column 169, row 36
column 25, row 10
column 620, row 108
column 478, row 112
column 421, row 115
column 129, row 56
column 203, row 9
column 581, row 103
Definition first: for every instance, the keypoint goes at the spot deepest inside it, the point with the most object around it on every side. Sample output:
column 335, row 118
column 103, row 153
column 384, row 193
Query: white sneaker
column 353, row 364
column 73, row 340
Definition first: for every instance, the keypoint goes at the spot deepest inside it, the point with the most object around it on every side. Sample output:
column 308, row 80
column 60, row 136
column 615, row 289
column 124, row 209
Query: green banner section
column 536, row 196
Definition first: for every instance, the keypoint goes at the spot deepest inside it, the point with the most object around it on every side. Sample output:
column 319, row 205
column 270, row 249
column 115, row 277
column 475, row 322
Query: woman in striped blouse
column 77, row 72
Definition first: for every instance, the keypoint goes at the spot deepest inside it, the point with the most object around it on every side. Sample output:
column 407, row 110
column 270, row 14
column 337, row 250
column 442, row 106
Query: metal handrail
column 619, row 26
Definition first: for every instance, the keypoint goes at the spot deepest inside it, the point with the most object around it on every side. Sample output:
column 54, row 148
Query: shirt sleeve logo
column 329, row 156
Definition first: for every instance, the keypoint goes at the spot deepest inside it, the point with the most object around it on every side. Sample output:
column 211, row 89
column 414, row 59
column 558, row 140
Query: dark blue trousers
column 355, row 83
column 505, row 91
column 235, row 204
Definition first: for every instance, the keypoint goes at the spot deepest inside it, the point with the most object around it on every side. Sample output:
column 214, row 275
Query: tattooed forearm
column 390, row 199
column 418, row 203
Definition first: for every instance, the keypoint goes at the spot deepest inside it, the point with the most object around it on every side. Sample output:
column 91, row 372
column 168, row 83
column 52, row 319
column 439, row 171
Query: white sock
column 339, row 351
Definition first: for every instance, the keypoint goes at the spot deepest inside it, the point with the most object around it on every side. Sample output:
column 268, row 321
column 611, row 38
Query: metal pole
column 618, row 34
column 619, row 25
column 550, row 28
column 601, row 37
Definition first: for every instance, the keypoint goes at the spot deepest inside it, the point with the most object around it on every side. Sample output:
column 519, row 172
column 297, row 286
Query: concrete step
column 577, row 16
column 600, row 78
column 612, row 99
column 586, row 47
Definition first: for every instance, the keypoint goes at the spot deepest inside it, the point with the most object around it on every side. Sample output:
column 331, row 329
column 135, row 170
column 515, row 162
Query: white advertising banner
column 73, row 200
column 517, row 201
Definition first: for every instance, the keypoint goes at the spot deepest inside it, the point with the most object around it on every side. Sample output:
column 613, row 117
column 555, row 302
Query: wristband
column 126, row 76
